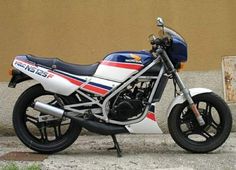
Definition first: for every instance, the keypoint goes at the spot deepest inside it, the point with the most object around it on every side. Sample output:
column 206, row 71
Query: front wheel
column 188, row 134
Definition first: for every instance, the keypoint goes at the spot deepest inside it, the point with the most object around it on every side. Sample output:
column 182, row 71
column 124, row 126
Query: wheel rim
column 192, row 131
column 48, row 131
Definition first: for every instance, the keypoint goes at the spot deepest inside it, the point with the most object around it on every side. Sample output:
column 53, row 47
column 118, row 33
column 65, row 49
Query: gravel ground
column 139, row 152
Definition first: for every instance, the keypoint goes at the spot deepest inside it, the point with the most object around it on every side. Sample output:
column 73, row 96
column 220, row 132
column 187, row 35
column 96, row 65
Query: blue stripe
column 79, row 79
column 122, row 56
column 100, row 85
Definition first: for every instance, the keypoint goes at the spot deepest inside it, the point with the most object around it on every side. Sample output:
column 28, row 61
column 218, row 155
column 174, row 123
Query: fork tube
column 181, row 85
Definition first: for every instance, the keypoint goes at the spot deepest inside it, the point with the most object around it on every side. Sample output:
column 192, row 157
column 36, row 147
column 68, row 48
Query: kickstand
column 116, row 146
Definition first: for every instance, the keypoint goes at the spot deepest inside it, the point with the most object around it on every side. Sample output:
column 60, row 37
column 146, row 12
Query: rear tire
column 39, row 140
column 186, row 131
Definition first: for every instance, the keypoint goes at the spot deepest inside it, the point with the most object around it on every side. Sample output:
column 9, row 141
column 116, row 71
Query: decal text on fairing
column 34, row 69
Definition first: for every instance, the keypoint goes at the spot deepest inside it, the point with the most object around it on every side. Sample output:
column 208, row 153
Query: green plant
column 33, row 167
column 10, row 166
column 13, row 166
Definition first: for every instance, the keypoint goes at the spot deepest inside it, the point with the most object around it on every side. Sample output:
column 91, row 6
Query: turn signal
column 10, row 71
column 181, row 66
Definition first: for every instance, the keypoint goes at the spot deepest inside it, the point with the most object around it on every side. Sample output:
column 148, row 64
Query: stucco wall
column 84, row 31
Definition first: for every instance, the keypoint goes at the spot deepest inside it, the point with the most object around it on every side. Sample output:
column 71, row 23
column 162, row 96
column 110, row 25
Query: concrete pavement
column 139, row 152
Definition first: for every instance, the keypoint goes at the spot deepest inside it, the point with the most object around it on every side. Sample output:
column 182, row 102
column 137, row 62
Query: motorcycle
column 114, row 96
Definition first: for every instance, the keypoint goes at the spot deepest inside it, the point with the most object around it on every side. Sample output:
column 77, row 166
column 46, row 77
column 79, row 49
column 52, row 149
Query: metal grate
column 23, row 156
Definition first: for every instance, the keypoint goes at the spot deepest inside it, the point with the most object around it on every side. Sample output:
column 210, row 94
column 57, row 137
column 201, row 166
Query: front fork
column 189, row 98
column 186, row 93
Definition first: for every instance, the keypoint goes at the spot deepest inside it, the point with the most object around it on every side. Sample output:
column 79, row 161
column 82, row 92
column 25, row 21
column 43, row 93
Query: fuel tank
column 119, row 66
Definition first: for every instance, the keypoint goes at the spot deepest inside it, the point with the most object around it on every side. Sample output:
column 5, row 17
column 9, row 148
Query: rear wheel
column 49, row 136
column 186, row 131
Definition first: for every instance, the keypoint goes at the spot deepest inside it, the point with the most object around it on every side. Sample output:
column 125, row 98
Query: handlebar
column 156, row 41
column 164, row 42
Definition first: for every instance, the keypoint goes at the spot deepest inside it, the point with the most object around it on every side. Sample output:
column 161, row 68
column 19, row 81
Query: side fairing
column 63, row 83
column 148, row 125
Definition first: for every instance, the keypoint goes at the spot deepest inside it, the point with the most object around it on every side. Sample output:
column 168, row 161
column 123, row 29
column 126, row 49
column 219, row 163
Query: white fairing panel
column 147, row 125
column 181, row 99
column 116, row 71
column 50, row 81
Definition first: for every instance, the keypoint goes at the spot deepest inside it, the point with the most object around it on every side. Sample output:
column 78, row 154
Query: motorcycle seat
column 55, row 63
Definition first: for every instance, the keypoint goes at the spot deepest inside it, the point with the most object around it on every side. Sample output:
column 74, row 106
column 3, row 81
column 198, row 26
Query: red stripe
column 151, row 116
column 79, row 83
column 122, row 65
column 95, row 89
column 74, row 81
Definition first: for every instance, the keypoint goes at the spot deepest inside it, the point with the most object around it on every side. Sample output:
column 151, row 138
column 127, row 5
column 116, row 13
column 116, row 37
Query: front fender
column 181, row 99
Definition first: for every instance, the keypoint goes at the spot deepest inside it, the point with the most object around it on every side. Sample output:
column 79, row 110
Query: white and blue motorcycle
column 115, row 96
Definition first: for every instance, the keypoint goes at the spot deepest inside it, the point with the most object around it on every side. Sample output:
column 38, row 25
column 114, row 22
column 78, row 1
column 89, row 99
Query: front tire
column 186, row 131
column 44, row 137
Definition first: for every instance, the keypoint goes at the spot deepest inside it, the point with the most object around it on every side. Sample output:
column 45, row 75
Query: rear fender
column 181, row 99
column 17, row 77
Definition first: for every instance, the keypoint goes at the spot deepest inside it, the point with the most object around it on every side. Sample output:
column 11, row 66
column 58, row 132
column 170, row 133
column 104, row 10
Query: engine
column 130, row 102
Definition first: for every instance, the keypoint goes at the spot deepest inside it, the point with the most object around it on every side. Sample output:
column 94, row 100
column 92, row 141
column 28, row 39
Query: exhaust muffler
column 48, row 109
column 90, row 125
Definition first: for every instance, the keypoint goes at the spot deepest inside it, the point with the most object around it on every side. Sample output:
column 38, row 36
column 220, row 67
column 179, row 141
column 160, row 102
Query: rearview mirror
column 160, row 22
